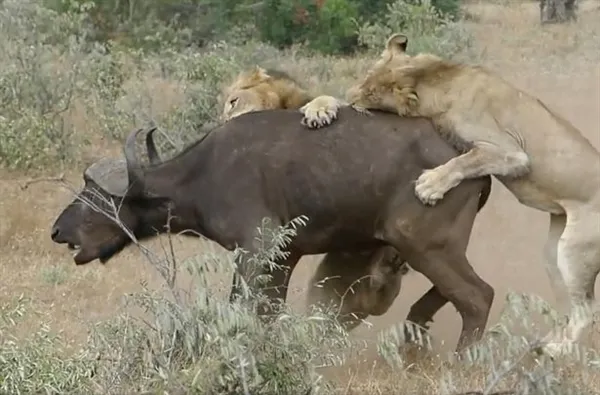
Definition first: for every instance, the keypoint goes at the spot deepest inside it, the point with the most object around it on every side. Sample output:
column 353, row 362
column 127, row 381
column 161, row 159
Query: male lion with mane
column 268, row 89
column 537, row 154
column 373, row 276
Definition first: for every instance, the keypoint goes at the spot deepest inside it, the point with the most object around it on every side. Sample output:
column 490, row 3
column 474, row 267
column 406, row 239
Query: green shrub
column 53, row 81
column 199, row 341
column 154, row 24
column 35, row 364
column 335, row 30
column 428, row 30
column 328, row 28
column 38, row 78
column 449, row 8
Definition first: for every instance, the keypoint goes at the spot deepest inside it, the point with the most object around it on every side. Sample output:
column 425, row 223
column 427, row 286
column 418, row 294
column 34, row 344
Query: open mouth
column 75, row 248
column 82, row 255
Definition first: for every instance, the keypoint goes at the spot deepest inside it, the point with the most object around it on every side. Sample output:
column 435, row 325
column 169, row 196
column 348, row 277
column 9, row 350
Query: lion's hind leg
column 578, row 260
column 494, row 153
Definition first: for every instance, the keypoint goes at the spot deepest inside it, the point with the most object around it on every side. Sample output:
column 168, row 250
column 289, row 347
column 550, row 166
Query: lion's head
column 240, row 102
column 389, row 80
column 262, row 89
column 245, row 93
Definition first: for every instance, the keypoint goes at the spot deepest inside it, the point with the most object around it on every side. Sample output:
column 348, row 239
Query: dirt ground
column 560, row 64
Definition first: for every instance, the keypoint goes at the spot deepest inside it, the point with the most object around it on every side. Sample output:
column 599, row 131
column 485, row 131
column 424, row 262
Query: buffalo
column 353, row 180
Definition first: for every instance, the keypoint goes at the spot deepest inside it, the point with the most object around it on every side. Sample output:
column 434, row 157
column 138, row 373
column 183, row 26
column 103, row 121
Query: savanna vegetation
column 77, row 76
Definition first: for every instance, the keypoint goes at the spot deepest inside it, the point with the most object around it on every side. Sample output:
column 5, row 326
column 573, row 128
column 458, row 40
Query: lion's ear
column 259, row 74
column 397, row 43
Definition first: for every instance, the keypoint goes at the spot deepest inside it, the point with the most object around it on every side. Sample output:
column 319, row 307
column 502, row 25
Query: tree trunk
column 558, row 11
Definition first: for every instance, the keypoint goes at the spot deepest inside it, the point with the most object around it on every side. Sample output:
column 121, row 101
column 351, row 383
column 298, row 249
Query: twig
column 508, row 369
column 60, row 178
column 243, row 374
column 172, row 277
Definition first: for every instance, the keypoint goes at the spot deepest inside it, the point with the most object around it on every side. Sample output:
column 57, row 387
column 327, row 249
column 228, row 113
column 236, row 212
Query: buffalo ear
column 397, row 43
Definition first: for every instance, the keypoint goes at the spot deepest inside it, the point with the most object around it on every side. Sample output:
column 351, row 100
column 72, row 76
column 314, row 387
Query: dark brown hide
column 353, row 180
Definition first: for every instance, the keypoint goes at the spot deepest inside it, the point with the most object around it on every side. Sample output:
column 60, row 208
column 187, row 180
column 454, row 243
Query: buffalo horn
column 134, row 169
column 153, row 156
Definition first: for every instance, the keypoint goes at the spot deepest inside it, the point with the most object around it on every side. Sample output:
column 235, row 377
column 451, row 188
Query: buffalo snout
column 54, row 234
column 89, row 233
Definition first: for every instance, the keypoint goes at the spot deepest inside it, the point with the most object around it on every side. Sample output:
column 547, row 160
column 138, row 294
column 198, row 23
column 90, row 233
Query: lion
column 542, row 158
column 266, row 89
column 374, row 276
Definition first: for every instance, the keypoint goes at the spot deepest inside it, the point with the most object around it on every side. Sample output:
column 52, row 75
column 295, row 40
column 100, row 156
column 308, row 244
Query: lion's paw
column 319, row 112
column 432, row 185
column 318, row 117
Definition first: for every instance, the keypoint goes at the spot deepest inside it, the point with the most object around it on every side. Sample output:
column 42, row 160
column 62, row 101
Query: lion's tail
column 485, row 192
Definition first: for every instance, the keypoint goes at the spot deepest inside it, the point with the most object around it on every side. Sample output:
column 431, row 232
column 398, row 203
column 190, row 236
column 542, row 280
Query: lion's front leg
column 483, row 159
column 321, row 111
column 433, row 184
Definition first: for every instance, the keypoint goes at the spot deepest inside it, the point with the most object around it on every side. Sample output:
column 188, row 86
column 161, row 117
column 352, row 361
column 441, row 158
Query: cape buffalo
column 353, row 181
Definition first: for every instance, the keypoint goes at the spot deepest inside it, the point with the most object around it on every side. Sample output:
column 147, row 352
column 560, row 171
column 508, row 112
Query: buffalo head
column 113, row 190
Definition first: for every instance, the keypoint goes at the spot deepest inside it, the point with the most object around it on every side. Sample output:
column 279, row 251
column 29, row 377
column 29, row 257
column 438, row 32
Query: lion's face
column 379, row 87
column 376, row 90
column 239, row 102
column 242, row 94
column 372, row 93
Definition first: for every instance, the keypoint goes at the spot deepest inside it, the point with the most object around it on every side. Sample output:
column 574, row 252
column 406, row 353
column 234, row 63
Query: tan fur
column 538, row 155
column 375, row 280
column 260, row 89
column 357, row 284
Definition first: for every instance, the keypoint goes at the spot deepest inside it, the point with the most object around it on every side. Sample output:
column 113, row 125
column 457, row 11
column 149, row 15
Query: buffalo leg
column 447, row 267
column 455, row 280
column 275, row 287
column 422, row 311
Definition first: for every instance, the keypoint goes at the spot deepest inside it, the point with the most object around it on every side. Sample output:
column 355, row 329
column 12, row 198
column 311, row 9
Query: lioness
column 538, row 155
column 373, row 276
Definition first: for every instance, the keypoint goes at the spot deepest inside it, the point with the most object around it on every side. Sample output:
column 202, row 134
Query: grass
column 67, row 329
column 55, row 275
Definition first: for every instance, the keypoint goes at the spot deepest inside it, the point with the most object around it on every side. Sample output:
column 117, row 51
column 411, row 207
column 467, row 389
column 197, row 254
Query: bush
column 328, row 26
column 428, row 30
column 325, row 26
column 199, row 342
column 152, row 24
column 449, row 8
column 60, row 95
column 36, row 364
column 35, row 87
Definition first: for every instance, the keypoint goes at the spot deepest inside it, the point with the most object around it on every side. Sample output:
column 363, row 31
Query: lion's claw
column 321, row 117
column 361, row 110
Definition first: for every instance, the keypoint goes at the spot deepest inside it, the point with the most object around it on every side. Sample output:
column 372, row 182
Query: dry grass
column 561, row 64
